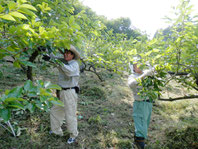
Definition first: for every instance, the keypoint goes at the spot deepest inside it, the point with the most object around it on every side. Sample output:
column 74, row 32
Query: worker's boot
column 71, row 140
column 139, row 142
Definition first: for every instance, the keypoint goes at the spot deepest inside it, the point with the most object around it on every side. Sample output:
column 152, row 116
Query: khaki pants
column 68, row 113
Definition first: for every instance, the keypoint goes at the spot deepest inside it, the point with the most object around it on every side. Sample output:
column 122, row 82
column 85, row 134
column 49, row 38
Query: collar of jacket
column 69, row 62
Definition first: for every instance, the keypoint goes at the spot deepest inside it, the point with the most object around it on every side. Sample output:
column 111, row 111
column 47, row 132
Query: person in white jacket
column 68, row 80
column 142, row 107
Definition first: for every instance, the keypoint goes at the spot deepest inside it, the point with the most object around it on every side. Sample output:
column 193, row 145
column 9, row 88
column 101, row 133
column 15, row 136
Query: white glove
column 131, row 67
column 147, row 72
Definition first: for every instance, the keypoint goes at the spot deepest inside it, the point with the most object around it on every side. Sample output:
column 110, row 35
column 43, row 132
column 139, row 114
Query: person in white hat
column 141, row 108
column 68, row 80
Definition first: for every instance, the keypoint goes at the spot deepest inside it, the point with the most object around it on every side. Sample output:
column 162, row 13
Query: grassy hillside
column 104, row 116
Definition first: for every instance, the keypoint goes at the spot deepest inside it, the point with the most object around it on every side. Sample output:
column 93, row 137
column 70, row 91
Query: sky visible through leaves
column 147, row 15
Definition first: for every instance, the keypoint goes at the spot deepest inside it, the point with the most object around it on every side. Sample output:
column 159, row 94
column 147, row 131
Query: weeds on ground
column 104, row 118
column 182, row 138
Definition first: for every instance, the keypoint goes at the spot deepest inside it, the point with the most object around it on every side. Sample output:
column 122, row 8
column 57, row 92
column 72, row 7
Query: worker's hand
column 148, row 72
column 46, row 57
column 42, row 49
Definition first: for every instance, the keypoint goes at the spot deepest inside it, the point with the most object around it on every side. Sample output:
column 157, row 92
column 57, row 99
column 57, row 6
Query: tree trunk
column 29, row 73
column 31, row 59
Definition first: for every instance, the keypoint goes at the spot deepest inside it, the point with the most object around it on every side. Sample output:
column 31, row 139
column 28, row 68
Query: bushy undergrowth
column 125, row 144
column 104, row 119
column 93, row 92
column 186, row 138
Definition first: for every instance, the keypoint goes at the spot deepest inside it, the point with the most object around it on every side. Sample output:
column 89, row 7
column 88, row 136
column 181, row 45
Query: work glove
column 148, row 73
column 42, row 49
column 46, row 57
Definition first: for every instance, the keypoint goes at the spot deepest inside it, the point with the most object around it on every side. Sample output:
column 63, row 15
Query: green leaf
column 71, row 20
column 155, row 50
column 27, row 63
column 15, row 92
column 39, row 104
column 4, row 96
column 17, row 64
column 76, row 26
column 44, row 7
column 11, row 49
column 5, row 114
column 56, row 102
column 32, row 93
column 7, row 17
column 158, row 56
column 80, row 33
column 10, row 99
column 53, row 86
column 43, row 92
column 30, row 107
column 11, row 5
column 1, row 9
column 16, row 105
column 28, row 7
column 40, row 83
column 28, row 85
column 18, row 15
column 2, row 55
column 27, row 11
column 43, row 98
column 21, row 1
column 1, row 106
column 148, row 53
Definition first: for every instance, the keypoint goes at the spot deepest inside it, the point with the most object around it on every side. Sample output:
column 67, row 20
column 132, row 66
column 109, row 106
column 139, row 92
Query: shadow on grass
column 104, row 119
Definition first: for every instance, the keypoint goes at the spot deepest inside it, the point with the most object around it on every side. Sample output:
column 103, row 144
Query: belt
column 68, row 88
column 147, row 100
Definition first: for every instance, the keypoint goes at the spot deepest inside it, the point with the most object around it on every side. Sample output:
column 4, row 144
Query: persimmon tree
column 177, row 52
column 30, row 29
column 183, row 47
column 25, row 35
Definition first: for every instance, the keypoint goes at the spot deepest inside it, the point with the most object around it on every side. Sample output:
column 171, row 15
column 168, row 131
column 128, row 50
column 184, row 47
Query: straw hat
column 76, row 53
column 136, row 59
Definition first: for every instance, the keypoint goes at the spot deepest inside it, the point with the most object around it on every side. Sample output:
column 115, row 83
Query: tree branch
column 178, row 74
column 90, row 69
column 185, row 74
column 9, row 61
column 178, row 98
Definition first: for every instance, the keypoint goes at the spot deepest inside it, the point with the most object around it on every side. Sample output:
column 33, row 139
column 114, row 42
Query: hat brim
column 76, row 53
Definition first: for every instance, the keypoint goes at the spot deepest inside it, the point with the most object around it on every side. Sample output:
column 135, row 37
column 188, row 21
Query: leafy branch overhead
column 30, row 29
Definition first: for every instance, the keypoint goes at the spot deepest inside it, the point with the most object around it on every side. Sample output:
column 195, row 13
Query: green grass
column 104, row 117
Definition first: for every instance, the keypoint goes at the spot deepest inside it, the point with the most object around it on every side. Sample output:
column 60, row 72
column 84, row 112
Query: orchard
column 31, row 29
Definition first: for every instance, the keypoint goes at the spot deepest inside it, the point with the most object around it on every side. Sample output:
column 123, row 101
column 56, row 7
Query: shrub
column 126, row 144
column 183, row 138
column 93, row 92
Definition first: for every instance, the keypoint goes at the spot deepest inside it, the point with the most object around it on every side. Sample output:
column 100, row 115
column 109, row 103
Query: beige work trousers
column 68, row 113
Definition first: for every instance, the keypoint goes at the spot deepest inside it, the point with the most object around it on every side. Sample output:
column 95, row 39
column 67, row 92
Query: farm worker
column 141, row 108
column 68, row 80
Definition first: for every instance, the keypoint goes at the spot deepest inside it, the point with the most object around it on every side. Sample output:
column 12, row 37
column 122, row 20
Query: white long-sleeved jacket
column 68, row 73
column 133, row 82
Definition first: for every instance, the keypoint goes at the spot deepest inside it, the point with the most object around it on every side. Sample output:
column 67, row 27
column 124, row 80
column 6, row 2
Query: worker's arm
column 149, row 72
column 133, row 81
column 71, row 69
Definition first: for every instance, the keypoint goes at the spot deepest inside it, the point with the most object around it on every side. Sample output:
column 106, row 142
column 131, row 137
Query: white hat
column 76, row 53
column 136, row 59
